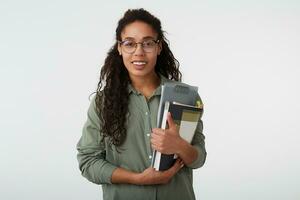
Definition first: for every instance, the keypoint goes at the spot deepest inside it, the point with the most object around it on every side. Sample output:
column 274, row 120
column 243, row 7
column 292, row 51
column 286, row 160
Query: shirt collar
column 156, row 92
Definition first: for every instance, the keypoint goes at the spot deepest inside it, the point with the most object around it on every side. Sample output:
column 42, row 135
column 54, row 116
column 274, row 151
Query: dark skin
column 148, row 177
column 141, row 68
column 168, row 142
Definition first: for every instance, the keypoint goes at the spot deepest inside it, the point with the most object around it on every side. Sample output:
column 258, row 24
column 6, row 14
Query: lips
column 139, row 63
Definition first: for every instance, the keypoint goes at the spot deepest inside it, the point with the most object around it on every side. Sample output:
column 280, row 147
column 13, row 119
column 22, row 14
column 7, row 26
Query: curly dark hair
column 112, row 94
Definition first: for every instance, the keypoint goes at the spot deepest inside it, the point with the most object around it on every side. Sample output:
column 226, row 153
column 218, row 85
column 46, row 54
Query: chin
column 139, row 73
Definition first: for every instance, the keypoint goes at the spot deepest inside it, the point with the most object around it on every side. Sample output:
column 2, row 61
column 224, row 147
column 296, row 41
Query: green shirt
column 97, row 160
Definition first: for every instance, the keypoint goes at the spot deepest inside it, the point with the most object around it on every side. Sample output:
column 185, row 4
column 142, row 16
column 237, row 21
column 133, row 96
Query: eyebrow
column 131, row 38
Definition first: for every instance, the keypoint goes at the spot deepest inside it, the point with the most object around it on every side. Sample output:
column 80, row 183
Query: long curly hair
column 112, row 93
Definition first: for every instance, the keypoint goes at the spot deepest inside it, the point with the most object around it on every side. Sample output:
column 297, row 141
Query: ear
column 119, row 49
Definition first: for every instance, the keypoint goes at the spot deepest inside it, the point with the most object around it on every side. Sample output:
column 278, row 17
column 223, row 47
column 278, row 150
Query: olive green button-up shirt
column 97, row 160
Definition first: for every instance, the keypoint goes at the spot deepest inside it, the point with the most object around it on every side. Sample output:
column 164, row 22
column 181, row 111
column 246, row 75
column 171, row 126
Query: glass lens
column 130, row 46
column 149, row 45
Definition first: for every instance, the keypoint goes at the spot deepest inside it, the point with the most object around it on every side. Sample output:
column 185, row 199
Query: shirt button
column 146, row 113
column 150, row 157
column 148, row 134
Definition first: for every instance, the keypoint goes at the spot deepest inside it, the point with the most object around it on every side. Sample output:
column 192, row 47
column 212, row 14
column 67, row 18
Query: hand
column 151, row 177
column 166, row 141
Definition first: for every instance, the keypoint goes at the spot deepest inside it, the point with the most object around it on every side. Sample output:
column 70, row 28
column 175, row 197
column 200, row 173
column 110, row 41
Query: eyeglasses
column 129, row 46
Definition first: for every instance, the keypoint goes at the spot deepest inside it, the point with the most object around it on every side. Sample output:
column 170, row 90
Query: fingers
column 151, row 176
column 158, row 131
column 156, row 139
column 177, row 166
column 155, row 147
column 179, row 162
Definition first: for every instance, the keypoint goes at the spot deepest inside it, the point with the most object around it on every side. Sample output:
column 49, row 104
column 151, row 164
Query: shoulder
column 96, row 100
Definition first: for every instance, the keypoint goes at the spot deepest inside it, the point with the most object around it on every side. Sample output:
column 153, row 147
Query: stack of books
column 181, row 101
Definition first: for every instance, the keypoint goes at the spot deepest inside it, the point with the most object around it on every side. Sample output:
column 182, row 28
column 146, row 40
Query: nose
column 139, row 49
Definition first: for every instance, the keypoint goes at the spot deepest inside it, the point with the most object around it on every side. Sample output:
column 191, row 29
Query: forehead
column 138, row 31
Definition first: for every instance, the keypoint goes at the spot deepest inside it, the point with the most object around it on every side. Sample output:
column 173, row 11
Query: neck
column 146, row 85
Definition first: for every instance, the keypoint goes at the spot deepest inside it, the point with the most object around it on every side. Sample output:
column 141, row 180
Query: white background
column 243, row 55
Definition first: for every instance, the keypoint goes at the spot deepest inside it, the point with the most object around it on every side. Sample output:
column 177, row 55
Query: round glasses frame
column 130, row 46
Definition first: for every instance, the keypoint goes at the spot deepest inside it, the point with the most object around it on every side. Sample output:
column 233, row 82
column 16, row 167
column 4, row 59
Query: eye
column 148, row 43
column 128, row 43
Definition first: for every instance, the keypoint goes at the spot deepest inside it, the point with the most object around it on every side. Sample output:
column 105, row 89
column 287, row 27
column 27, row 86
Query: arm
column 169, row 142
column 199, row 145
column 186, row 152
column 94, row 166
column 147, row 177
column 91, row 151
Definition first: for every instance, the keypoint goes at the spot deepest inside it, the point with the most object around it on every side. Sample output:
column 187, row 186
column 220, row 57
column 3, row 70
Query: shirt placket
column 148, row 128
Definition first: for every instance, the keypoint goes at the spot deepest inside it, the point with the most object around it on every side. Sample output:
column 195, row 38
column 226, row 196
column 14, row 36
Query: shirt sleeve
column 199, row 143
column 91, row 151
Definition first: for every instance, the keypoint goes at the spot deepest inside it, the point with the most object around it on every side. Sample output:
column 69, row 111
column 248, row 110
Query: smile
column 139, row 62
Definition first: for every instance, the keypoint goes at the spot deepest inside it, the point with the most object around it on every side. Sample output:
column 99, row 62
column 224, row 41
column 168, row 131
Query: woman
column 116, row 146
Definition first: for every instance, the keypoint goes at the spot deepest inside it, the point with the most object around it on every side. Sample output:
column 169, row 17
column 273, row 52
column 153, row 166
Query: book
column 186, row 117
column 174, row 92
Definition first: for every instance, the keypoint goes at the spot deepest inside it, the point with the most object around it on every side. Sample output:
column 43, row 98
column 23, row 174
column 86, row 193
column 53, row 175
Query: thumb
column 171, row 122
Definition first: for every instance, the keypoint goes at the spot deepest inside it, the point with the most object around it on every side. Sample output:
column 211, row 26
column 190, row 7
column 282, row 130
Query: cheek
column 126, row 60
column 153, row 59
column 127, row 63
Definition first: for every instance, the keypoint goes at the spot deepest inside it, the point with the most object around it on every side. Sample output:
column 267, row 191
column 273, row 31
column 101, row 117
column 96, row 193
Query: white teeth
column 139, row 63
